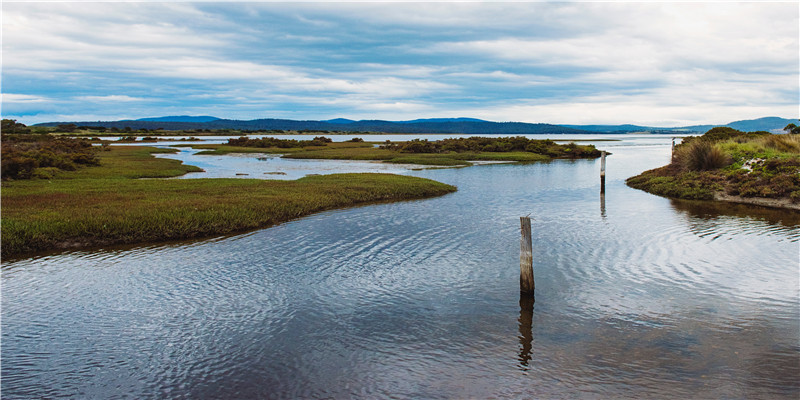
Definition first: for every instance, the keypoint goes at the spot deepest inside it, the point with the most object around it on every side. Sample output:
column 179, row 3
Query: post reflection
column 525, row 330
column 602, row 205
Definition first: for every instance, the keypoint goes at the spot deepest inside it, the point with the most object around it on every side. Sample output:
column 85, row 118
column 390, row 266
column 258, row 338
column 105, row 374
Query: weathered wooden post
column 602, row 172
column 526, row 282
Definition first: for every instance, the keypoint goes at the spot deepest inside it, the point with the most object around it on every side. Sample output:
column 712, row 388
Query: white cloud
column 110, row 98
column 22, row 98
column 546, row 62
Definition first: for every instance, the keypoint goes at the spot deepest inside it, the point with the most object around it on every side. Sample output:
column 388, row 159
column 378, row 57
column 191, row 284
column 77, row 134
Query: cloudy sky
column 663, row 64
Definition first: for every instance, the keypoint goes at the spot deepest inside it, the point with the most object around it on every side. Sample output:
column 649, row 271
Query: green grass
column 131, row 162
column 105, row 205
column 368, row 152
column 703, row 167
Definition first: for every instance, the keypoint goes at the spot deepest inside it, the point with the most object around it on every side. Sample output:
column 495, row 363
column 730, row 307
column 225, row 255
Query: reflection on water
column 708, row 210
column 272, row 166
column 603, row 205
column 649, row 298
column 526, row 302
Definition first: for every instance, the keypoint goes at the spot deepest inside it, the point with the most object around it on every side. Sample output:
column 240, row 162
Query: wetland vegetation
column 446, row 152
column 727, row 164
column 105, row 202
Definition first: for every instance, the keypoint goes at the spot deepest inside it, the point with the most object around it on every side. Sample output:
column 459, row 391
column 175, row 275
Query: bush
column 700, row 156
column 23, row 155
column 494, row 145
column 11, row 126
column 266, row 142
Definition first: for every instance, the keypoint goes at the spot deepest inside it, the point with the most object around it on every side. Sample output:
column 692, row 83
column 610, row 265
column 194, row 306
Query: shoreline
column 778, row 203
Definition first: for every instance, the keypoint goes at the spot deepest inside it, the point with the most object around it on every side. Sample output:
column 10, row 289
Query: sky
column 657, row 64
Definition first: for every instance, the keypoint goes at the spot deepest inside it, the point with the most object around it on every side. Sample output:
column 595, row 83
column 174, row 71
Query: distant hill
column 750, row 125
column 339, row 121
column 626, row 128
column 180, row 118
column 467, row 126
column 415, row 121
column 773, row 124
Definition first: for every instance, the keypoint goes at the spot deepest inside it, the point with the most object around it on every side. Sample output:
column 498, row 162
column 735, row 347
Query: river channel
column 637, row 296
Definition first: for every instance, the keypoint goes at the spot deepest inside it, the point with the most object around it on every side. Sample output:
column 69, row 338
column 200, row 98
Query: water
column 637, row 296
column 272, row 166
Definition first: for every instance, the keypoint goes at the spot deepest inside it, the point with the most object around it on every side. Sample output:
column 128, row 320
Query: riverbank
column 728, row 165
column 107, row 204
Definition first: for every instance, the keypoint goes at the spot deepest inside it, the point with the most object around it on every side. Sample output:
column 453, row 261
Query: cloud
column 534, row 62
column 22, row 98
column 110, row 98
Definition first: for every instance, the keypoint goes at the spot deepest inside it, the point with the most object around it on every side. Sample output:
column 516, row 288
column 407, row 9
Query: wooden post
column 526, row 282
column 602, row 172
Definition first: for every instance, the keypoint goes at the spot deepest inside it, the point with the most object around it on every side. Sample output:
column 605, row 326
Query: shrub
column 22, row 155
column 266, row 142
column 701, row 156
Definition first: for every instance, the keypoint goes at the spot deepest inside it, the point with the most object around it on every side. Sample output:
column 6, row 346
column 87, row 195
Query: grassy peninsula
column 730, row 165
column 103, row 202
column 446, row 152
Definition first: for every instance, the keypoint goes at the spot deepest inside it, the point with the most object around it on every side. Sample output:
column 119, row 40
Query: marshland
column 636, row 294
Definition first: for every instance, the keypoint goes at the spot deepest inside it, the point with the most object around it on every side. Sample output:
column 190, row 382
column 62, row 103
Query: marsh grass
column 731, row 162
column 105, row 205
column 701, row 156
column 370, row 152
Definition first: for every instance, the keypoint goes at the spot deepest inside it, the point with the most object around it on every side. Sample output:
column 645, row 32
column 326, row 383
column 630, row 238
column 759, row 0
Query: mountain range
column 470, row 126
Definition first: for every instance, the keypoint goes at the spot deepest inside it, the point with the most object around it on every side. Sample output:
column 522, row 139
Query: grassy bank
column 106, row 205
column 725, row 164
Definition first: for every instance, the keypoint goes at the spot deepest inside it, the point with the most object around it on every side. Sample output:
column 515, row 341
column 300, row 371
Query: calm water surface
column 637, row 296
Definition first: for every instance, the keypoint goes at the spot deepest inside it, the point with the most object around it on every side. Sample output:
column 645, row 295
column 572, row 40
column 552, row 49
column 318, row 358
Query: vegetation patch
column 728, row 163
column 25, row 156
column 106, row 204
column 446, row 152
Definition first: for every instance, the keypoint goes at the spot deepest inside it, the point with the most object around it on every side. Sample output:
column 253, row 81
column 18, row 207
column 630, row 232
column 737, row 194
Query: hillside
column 456, row 126
column 468, row 126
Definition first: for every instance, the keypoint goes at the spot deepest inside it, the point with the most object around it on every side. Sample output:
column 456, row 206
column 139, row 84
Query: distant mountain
column 467, row 126
column 626, row 128
column 339, row 121
column 180, row 118
column 415, row 121
column 770, row 124
column 750, row 125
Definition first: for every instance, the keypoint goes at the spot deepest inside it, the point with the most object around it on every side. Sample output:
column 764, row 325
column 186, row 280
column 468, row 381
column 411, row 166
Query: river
column 637, row 296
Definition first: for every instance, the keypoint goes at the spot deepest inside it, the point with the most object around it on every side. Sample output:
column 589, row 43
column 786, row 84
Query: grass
column 131, row 162
column 106, row 205
column 744, row 165
column 369, row 152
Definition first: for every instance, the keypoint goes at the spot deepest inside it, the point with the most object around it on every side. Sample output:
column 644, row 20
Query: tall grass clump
column 701, row 156
column 789, row 143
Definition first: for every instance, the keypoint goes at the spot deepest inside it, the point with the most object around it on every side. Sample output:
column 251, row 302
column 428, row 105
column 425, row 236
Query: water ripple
column 637, row 297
